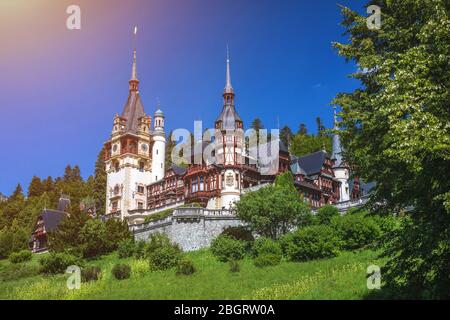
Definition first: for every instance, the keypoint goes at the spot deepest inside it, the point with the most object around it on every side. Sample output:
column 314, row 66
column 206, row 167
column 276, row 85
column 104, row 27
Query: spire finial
column 228, row 87
column 134, row 80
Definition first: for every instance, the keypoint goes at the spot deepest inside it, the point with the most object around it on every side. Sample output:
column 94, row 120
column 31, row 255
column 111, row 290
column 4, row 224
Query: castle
column 139, row 185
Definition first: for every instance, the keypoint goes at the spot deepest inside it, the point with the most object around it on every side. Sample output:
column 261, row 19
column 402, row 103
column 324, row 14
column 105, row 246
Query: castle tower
column 159, row 147
column 340, row 168
column 128, row 155
column 230, row 148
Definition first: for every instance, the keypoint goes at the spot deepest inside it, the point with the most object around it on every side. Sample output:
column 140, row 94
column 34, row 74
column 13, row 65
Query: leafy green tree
column 326, row 213
column 303, row 144
column 395, row 130
column 274, row 210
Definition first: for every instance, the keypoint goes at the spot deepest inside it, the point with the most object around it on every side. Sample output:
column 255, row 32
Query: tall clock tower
column 128, row 156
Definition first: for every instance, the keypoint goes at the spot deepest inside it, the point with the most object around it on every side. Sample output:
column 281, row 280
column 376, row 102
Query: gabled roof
column 312, row 163
column 132, row 111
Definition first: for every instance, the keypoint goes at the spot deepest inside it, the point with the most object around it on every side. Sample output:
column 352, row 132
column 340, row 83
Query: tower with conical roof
column 128, row 155
column 340, row 168
column 230, row 145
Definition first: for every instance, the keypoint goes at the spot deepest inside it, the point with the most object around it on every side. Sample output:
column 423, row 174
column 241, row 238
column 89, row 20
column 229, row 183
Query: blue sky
column 60, row 89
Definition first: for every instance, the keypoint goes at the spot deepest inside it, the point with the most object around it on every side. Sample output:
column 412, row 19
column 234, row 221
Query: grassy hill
column 343, row 277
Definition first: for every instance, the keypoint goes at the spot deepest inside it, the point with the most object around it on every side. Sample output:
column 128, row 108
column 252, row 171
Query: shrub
column 155, row 241
column 265, row 245
column 266, row 252
column 164, row 258
column 121, row 271
column 234, row 266
column 326, row 213
column 185, row 267
column 158, row 216
column 225, row 248
column 355, row 230
column 267, row 259
column 139, row 268
column 139, row 249
column 312, row 242
column 90, row 274
column 126, row 248
column 21, row 256
column 239, row 233
column 58, row 262
column 17, row 271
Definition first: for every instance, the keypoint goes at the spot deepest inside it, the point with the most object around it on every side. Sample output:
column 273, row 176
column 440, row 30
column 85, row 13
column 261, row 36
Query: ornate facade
column 138, row 184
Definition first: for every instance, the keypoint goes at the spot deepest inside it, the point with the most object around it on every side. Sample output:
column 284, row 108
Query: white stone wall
column 191, row 232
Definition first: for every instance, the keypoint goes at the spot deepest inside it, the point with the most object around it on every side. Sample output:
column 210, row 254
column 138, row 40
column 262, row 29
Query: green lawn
column 343, row 277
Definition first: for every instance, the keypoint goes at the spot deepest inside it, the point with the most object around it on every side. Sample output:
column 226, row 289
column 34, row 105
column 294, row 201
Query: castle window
column 194, row 186
column 141, row 166
column 156, row 151
column 116, row 166
column 140, row 189
column 140, row 205
column 114, row 206
column 116, row 190
column 202, row 184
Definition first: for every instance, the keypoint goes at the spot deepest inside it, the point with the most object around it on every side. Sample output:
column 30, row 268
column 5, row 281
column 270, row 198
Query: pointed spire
column 336, row 155
column 228, row 87
column 134, row 80
column 133, row 68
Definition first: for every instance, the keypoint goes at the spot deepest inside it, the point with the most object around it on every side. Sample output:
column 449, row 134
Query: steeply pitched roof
column 312, row 163
column 52, row 219
column 336, row 154
column 132, row 111
column 296, row 169
column 228, row 117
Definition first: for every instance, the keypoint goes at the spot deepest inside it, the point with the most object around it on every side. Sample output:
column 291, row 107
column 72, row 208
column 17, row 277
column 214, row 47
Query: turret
column 340, row 168
column 159, row 147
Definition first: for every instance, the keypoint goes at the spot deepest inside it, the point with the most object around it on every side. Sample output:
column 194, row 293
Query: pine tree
column 36, row 187
column 286, row 135
column 99, row 191
column 18, row 193
column 302, row 129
